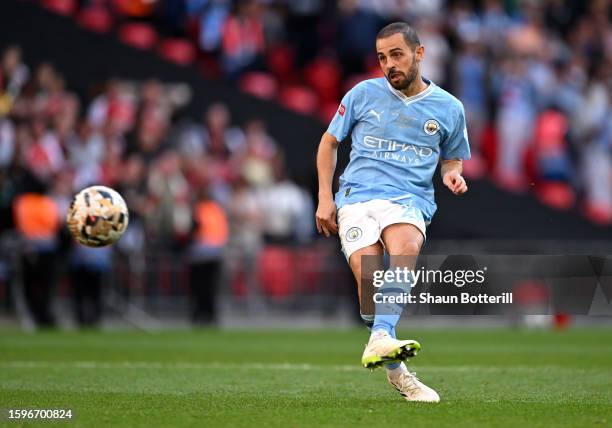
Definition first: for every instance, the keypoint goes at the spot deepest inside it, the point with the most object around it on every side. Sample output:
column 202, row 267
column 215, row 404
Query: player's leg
column 403, row 242
column 359, row 235
column 355, row 262
column 383, row 348
column 403, row 247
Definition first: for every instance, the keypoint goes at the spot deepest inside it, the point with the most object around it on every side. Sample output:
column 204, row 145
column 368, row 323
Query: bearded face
column 398, row 61
column 401, row 80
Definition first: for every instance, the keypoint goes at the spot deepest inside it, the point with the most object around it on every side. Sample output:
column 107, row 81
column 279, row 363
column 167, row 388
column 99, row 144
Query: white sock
column 397, row 371
column 377, row 333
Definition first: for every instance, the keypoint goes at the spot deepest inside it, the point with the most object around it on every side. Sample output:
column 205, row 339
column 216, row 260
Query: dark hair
column 410, row 35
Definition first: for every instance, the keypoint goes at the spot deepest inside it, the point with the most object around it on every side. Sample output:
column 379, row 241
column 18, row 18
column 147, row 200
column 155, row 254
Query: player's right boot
column 382, row 349
column 410, row 387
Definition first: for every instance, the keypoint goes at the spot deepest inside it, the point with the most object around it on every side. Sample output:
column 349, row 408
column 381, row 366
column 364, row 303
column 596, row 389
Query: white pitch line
column 263, row 366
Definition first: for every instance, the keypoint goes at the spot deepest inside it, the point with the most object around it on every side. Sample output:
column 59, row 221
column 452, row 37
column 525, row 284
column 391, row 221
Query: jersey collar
column 414, row 98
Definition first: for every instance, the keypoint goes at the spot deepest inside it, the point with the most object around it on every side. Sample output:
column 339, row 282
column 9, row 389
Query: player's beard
column 409, row 77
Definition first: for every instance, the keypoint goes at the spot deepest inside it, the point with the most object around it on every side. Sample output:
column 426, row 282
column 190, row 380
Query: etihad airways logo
column 395, row 146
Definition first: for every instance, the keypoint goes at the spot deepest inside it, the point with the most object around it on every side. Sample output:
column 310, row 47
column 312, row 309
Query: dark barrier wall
column 85, row 58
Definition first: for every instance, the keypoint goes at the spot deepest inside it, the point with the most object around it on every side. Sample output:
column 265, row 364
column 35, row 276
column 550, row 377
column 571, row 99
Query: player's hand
column 455, row 182
column 326, row 216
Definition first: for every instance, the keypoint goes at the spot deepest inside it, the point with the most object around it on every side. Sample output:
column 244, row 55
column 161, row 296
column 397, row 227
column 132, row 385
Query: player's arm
column 326, row 165
column 454, row 149
column 451, row 170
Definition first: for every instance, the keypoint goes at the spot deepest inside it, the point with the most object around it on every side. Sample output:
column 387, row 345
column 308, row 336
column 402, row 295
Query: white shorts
column 361, row 224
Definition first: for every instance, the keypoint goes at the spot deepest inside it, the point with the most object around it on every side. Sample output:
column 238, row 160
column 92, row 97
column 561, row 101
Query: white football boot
column 382, row 349
column 411, row 388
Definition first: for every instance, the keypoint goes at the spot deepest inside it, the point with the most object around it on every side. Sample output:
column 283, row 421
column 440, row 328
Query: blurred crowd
column 534, row 75
column 194, row 188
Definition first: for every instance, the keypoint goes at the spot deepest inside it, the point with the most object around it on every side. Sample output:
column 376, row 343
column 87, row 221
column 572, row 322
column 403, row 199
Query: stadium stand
column 81, row 120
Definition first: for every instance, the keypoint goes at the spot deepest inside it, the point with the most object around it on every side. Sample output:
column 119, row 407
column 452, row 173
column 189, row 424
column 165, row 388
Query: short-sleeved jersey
column 397, row 142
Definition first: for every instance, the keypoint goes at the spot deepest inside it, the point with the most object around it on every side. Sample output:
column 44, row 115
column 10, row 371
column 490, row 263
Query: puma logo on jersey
column 376, row 114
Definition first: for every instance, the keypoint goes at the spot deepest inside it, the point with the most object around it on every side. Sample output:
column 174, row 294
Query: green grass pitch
column 487, row 378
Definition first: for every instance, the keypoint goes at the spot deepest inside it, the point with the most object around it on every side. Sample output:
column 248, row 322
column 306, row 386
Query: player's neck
column 417, row 86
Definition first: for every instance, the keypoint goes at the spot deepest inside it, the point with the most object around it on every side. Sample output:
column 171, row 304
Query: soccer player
column 401, row 126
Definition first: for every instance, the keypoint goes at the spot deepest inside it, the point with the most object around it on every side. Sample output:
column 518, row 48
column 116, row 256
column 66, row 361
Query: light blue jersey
column 397, row 142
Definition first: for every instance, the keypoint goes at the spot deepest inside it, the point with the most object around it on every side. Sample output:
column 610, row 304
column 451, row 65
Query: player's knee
column 355, row 262
column 368, row 320
column 406, row 248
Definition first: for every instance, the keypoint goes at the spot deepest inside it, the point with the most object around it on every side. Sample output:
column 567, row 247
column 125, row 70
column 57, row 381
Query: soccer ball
column 97, row 216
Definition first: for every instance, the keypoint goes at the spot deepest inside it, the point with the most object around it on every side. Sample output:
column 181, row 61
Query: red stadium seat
column 550, row 130
column 179, row 51
column 323, row 76
column 308, row 268
column 276, row 274
column 280, row 61
column 599, row 213
column 95, row 19
column 209, row 66
column 133, row 8
column 259, row 84
column 328, row 110
column 557, row 195
column 299, row 99
column 62, row 7
column 138, row 35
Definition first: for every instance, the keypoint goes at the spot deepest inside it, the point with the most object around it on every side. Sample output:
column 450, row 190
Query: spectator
column 13, row 76
column 170, row 218
column 7, row 142
column 435, row 63
column 206, row 257
column 86, row 150
column 551, row 151
column 288, row 225
column 593, row 131
column 357, row 27
column 255, row 161
column 243, row 38
column 133, row 188
column 44, row 154
column 37, row 220
column 219, row 138
column 515, row 120
column 113, row 108
column 212, row 16
column 88, row 270
column 471, row 83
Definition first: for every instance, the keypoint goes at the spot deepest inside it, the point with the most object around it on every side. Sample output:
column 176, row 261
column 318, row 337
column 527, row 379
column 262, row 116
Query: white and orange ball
column 97, row 216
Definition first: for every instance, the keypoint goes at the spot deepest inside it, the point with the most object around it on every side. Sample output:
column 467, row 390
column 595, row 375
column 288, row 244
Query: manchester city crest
column 431, row 127
column 353, row 234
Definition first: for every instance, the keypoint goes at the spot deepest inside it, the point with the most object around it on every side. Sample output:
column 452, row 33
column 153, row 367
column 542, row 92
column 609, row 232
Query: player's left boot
column 410, row 387
column 382, row 349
